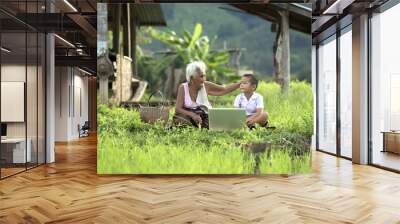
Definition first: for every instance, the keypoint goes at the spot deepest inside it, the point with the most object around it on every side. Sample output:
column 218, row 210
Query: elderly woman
column 192, row 98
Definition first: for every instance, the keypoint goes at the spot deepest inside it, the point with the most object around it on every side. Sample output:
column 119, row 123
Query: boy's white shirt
column 251, row 105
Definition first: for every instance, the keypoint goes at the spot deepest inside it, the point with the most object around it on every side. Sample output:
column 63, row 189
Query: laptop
column 221, row 119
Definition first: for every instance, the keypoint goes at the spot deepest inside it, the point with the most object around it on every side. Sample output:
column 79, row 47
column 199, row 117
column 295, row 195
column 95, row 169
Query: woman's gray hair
column 193, row 67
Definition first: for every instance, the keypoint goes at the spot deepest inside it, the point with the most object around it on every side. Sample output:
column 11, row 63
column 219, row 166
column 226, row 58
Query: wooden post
column 282, row 52
column 126, row 79
column 104, row 65
column 128, row 27
column 117, row 87
column 169, row 81
column 133, row 43
column 103, row 89
column 123, row 83
column 125, row 30
column 115, row 27
column 179, row 77
column 102, row 28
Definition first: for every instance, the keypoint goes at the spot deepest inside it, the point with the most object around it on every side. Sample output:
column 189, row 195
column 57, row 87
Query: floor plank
column 70, row 191
column 386, row 159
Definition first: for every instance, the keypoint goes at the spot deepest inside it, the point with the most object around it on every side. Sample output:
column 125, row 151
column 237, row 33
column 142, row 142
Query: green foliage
column 116, row 121
column 281, row 161
column 239, row 30
column 151, row 69
column 192, row 47
column 160, row 153
column 153, row 149
column 127, row 145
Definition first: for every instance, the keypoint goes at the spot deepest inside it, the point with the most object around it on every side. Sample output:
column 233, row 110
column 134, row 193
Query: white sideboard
column 18, row 149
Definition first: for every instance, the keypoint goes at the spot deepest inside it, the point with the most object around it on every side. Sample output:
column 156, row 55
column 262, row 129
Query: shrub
column 117, row 120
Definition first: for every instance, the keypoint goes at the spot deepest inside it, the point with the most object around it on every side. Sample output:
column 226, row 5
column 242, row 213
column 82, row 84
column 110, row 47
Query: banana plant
column 149, row 67
column 193, row 46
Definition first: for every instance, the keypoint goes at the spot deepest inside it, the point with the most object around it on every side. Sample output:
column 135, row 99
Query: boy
column 252, row 102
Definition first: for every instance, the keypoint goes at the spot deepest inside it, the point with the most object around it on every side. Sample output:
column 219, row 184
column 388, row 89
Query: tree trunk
column 282, row 52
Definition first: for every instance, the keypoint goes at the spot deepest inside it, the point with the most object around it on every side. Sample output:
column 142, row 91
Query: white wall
column 314, row 89
column 62, row 81
column 80, row 94
column 71, row 87
column 13, row 72
column 13, row 101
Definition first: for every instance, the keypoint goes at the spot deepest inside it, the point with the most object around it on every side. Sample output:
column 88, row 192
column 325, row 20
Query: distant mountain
column 237, row 29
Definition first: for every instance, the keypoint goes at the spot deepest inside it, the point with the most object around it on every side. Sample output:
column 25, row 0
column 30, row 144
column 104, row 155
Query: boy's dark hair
column 252, row 79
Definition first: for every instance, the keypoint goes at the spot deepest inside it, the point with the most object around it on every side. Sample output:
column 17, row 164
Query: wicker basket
column 151, row 114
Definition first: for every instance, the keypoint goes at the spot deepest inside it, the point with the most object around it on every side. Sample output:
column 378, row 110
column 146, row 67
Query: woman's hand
column 218, row 90
column 196, row 118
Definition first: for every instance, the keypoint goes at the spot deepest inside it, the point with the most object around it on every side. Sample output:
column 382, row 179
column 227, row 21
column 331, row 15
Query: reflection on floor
column 11, row 169
column 70, row 191
column 387, row 159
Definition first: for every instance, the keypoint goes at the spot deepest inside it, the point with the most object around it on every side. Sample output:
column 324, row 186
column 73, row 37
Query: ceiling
column 299, row 14
column 330, row 15
column 74, row 22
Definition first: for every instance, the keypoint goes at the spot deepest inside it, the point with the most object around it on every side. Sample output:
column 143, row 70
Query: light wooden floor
column 387, row 159
column 5, row 172
column 70, row 191
column 10, row 171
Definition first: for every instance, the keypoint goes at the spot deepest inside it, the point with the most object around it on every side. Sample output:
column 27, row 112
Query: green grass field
column 126, row 145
